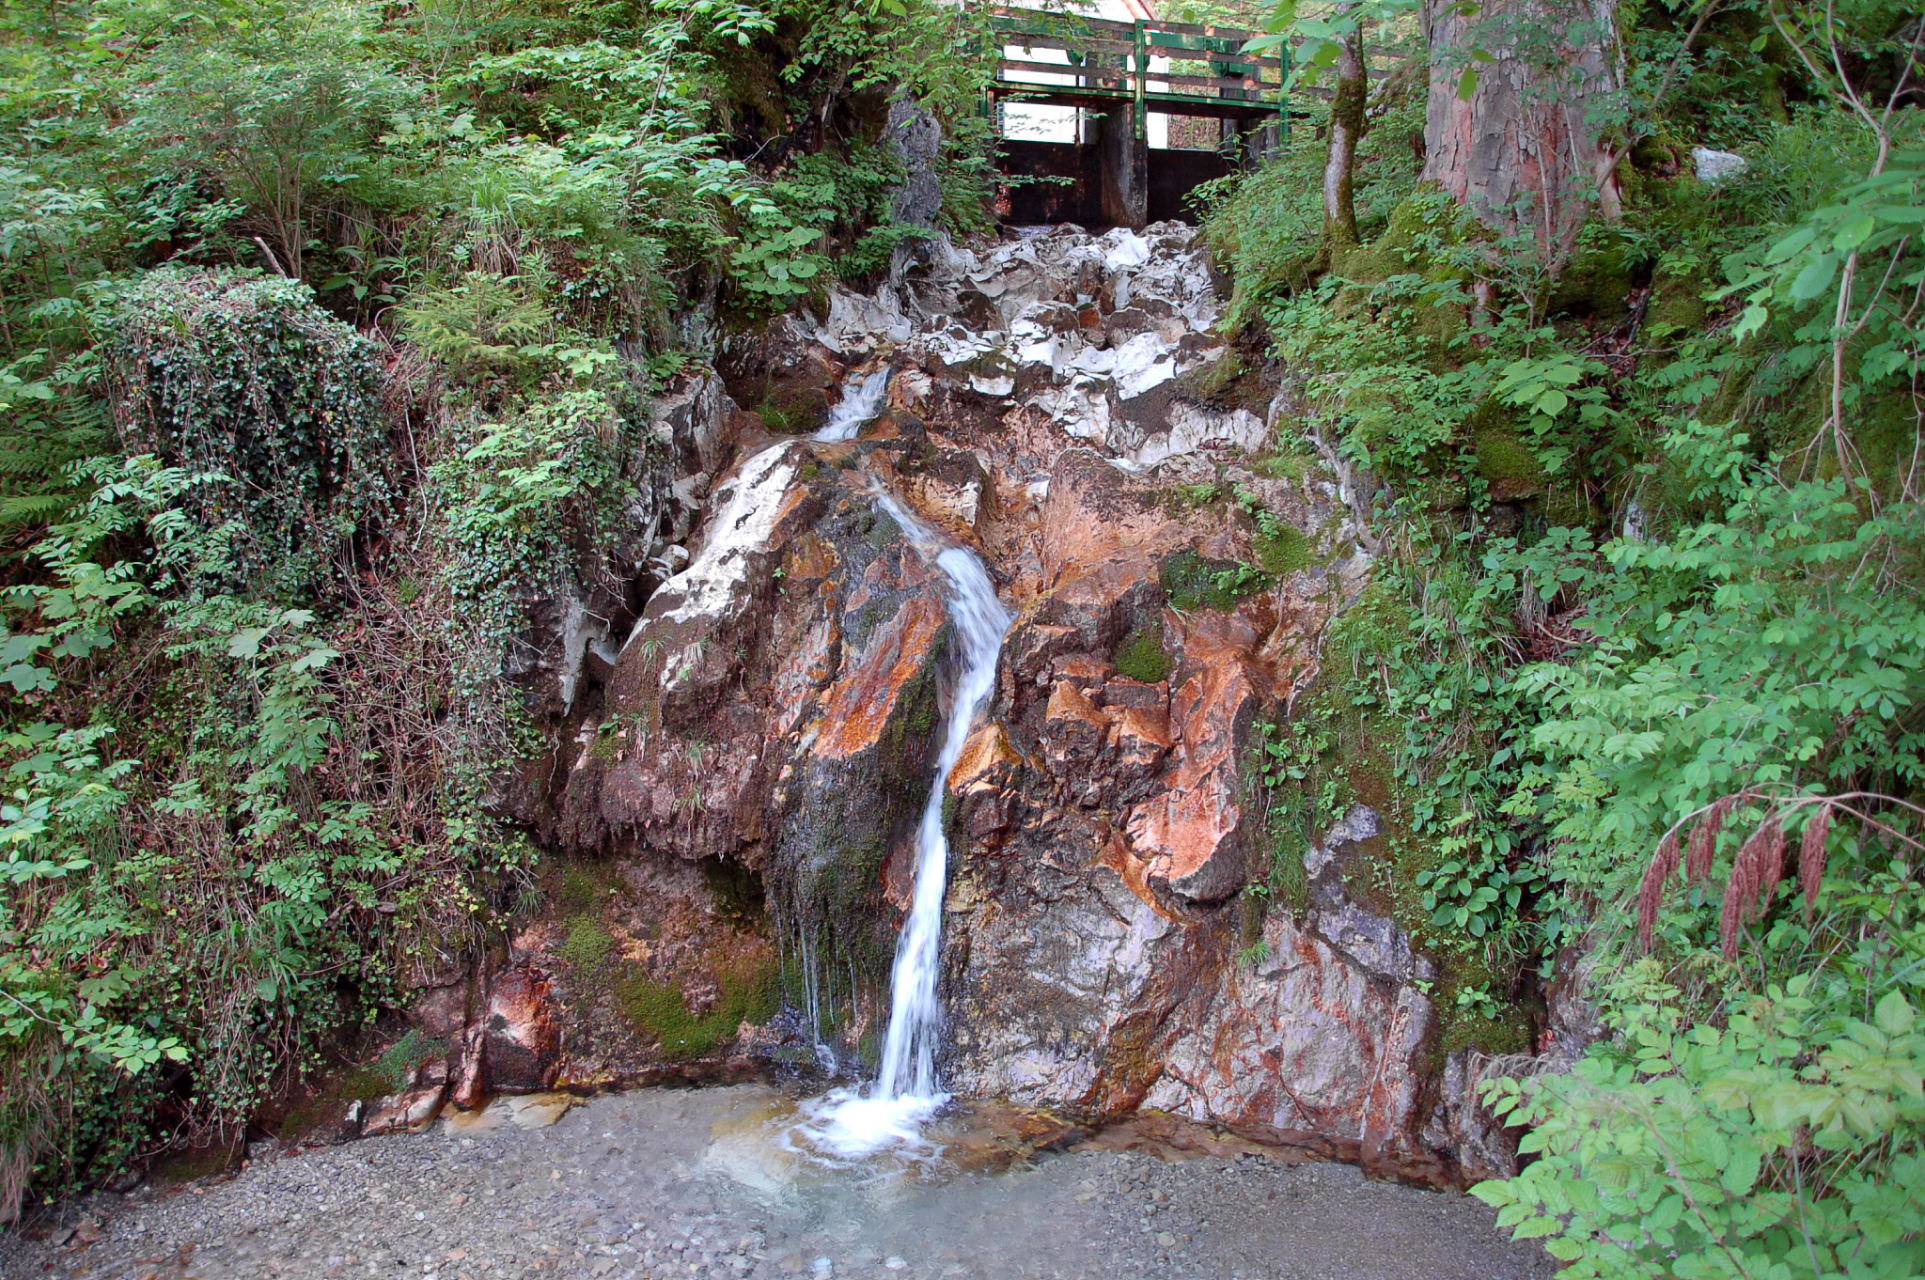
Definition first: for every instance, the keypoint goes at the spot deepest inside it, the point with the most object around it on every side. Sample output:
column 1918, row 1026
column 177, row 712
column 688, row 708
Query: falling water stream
column 850, row 1123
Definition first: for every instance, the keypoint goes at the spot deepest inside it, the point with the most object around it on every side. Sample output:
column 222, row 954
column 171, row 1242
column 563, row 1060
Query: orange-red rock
column 1076, row 727
column 865, row 699
column 521, row 1035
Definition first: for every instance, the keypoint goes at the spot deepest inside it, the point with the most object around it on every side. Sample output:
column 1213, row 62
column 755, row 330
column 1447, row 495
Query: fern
column 45, row 427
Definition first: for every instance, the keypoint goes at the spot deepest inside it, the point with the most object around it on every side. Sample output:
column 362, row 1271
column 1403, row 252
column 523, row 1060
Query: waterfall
column 856, row 408
column 915, row 1015
column 848, row 1122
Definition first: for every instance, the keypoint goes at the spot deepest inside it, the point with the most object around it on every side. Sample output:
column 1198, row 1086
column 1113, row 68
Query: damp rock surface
column 662, row 1183
column 1063, row 407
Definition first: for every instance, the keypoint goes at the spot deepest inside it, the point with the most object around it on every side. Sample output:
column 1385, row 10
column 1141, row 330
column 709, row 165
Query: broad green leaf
column 1815, row 278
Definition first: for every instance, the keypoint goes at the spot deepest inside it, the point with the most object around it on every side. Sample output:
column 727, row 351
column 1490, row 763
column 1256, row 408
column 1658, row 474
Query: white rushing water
column 849, row 1123
column 857, row 406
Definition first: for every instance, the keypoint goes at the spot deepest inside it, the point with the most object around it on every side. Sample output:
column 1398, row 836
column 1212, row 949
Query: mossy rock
column 1283, row 549
column 1398, row 252
column 825, row 882
column 365, row 1084
column 1506, row 464
column 195, row 1163
column 587, row 943
column 749, row 993
column 1232, row 381
column 1191, row 582
column 792, row 414
column 1677, row 303
column 1885, row 435
column 994, row 363
column 1395, row 252
column 1281, row 463
column 580, row 892
column 1141, row 656
column 1598, row 281
column 1566, row 505
column 735, row 891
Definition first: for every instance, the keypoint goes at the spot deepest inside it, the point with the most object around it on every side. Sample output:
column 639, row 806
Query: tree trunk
column 1346, row 130
column 1524, row 152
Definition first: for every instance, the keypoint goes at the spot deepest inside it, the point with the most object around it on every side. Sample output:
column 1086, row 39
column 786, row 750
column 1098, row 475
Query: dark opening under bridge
column 1117, row 74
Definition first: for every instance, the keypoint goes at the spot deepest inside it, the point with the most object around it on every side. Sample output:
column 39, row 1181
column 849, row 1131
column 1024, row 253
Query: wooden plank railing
column 1105, row 63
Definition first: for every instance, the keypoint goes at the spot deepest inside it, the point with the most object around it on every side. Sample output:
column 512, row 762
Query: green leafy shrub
column 247, row 380
column 1192, row 582
column 1783, row 1143
column 484, row 322
column 47, row 423
column 543, row 470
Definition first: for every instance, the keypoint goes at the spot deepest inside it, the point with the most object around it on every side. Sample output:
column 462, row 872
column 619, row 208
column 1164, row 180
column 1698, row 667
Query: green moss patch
column 750, row 993
column 1284, row 464
column 1192, row 582
column 1282, row 549
column 1141, row 656
column 580, row 892
column 196, row 1163
column 587, row 943
column 1677, row 303
column 1508, row 466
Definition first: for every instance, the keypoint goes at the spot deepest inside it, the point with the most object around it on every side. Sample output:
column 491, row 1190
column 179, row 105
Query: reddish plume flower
column 1657, row 876
column 1729, row 917
column 1704, row 841
column 1770, row 856
column 1755, row 873
column 1811, row 856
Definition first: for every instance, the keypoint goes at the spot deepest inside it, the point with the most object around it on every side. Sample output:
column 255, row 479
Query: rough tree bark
column 1524, row 150
column 1347, row 125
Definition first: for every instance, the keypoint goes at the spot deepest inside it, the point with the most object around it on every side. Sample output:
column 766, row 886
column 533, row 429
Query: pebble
column 658, row 1196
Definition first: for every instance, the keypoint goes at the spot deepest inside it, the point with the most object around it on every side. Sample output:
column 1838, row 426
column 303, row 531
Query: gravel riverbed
column 694, row 1184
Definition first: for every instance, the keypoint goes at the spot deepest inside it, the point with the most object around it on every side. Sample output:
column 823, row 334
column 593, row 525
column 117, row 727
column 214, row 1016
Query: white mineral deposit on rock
column 1713, row 165
column 739, row 530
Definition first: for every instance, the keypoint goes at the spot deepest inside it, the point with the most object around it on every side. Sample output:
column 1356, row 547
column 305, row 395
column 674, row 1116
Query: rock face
column 1058, row 404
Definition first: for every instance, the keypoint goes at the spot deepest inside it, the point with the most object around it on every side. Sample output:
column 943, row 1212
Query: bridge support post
column 1124, row 159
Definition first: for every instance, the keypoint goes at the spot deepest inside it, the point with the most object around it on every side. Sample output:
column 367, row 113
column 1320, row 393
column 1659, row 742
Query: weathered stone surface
column 407, row 1111
column 1074, row 728
column 782, row 374
column 1303, row 1042
column 521, row 1038
column 772, row 711
column 1462, row 1128
column 1192, row 835
column 914, row 136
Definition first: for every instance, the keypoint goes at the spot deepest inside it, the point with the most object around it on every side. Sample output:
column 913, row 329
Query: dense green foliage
column 327, row 331
column 1640, row 684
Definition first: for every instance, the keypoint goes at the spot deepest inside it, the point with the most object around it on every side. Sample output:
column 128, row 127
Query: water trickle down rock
column 1048, row 400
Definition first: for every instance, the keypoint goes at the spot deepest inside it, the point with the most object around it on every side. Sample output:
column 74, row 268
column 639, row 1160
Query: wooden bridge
column 1106, row 65
column 1118, row 73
